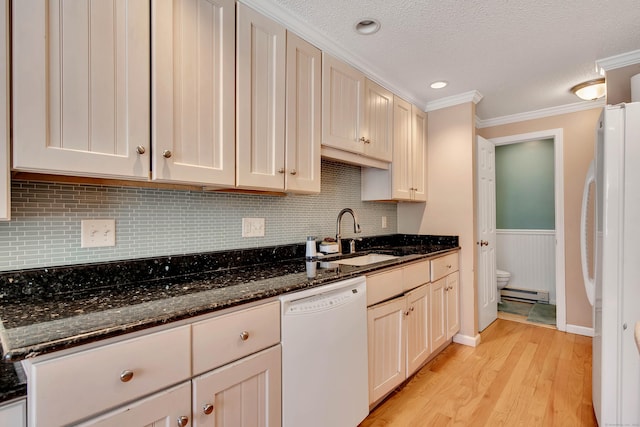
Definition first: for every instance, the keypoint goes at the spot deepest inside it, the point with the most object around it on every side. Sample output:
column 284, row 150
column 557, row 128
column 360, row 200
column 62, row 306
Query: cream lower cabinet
column 5, row 180
column 231, row 362
column 81, row 87
column 243, row 393
column 168, row 408
column 14, row 414
column 386, row 330
column 445, row 300
column 418, row 328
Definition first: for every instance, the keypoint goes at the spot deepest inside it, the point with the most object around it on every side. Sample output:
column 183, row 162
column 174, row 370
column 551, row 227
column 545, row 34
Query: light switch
column 97, row 233
column 252, row 227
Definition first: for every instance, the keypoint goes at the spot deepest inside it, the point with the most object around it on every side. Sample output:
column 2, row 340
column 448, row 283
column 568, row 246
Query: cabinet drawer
column 442, row 266
column 383, row 286
column 226, row 338
column 415, row 275
column 69, row 388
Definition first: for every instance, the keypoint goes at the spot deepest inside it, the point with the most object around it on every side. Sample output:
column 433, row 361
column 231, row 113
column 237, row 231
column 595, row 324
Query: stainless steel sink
column 365, row 259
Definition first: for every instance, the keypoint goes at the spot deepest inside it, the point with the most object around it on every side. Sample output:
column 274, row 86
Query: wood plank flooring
column 519, row 375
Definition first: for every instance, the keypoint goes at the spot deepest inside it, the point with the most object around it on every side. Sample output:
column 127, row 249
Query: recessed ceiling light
column 439, row 84
column 367, row 26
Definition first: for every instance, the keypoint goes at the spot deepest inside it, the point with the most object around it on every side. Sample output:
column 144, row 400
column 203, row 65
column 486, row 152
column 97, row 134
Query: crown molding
column 618, row 61
column 472, row 96
column 538, row 114
column 293, row 23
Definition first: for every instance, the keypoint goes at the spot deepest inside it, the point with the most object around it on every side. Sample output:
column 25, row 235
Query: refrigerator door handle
column 589, row 282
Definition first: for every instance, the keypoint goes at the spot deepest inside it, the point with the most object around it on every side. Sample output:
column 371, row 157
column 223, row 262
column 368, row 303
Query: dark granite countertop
column 45, row 310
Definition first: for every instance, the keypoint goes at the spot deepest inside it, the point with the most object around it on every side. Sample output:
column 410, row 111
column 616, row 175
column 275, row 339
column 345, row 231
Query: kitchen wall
column 45, row 225
column 579, row 139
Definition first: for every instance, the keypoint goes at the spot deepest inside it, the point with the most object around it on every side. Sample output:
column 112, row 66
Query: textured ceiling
column 521, row 55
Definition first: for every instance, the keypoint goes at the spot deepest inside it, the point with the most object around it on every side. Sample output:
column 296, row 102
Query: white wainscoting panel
column 529, row 255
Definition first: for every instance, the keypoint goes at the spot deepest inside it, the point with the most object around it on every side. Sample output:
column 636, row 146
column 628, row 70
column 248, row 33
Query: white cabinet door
column 378, row 122
column 418, row 324
column 453, row 304
column 81, row 87
column 419, row 154
column 164, row 409
column 5, row 179
column 193, row 97
column 260, row 89
column 243, row 393
column 437, row 303
column 304, row 115
column 386, row 346
column 14, row 414
column 402, row 161
column 342, row 105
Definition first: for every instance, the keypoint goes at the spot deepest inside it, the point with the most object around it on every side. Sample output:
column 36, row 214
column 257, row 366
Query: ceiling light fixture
column 591, row 90
column 367, row 26
column 439, row 84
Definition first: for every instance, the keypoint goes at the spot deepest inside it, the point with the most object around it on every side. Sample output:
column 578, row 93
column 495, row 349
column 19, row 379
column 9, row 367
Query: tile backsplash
column 45, row 226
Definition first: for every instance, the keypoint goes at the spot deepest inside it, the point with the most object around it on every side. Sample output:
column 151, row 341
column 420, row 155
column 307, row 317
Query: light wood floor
column 519, row 375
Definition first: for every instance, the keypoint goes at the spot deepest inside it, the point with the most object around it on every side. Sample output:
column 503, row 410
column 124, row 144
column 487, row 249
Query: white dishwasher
column 324, row 356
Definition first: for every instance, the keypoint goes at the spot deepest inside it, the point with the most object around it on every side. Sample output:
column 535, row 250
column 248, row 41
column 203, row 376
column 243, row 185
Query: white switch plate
column 252, row 227
column 384, row 222
column 97, row 233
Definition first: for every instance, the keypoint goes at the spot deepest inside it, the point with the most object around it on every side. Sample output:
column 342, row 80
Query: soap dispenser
column 311, row 247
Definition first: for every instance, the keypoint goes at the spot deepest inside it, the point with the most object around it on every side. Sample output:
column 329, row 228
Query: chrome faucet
column 356, row 225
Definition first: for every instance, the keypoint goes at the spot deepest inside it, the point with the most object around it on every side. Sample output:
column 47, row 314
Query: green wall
column 524, row 186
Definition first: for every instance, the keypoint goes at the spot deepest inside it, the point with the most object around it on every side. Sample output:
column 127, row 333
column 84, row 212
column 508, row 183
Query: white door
column 486, row 242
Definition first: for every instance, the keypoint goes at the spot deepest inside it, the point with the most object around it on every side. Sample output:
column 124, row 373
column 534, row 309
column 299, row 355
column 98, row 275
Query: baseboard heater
column 527, row 295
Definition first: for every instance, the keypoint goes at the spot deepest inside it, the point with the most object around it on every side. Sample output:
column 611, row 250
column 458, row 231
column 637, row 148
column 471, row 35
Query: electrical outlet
column 384, row 222
column 97, row 233
column 252, row 227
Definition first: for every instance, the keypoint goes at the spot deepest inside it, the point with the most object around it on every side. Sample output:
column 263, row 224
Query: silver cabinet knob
column 140, row 149
column 167, row 154
column 244, row 335
column 448, row 265
column 126, row 376
column 207, row 409
column 183, row 421
column 293, row 172
column 406, row 313
column 281, row 170
column 412, row 308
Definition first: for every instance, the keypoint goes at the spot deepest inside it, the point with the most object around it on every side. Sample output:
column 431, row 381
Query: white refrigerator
column 611, row 244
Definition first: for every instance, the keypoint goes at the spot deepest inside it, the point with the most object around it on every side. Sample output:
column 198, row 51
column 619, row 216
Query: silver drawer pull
column 183, row 421
column 207, row 409
column 244, row 335
column 126, row 376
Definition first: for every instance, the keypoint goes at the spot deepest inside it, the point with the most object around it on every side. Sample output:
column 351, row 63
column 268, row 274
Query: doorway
column 485, row 283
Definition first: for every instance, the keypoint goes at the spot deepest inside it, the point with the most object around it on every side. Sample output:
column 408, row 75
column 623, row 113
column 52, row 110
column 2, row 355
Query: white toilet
column 502, row 279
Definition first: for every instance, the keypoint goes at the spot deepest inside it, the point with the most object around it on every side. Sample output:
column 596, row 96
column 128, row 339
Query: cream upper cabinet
column 378, row 122
column 260, row 109
column 5, row 180
column 304, row 116
column 406, row 179
column 81, row 87
column 342, row 105
column 357, row 116
column 419, row 154
column 192, row 91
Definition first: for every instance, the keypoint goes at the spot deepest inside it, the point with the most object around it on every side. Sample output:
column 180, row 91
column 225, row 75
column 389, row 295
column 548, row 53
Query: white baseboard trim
column 467, row 340
column 580, row 330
